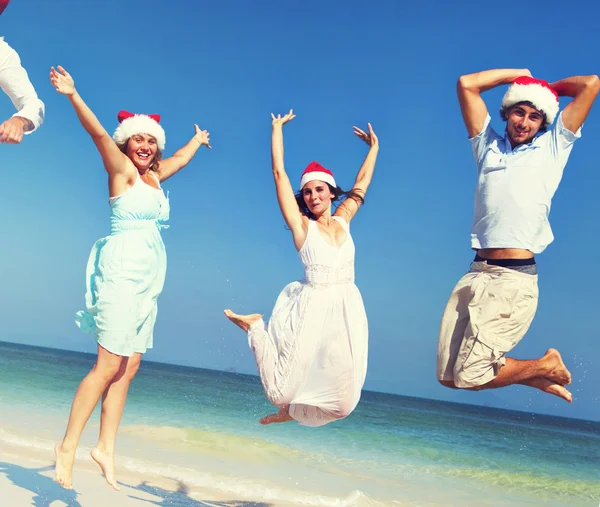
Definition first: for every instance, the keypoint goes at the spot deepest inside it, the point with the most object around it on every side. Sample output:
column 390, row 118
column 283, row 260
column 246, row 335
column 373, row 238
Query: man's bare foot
column 243, row 321
column 282, row 416
column 63, row 469
column 550, row 387
column 107, row 464
column 559, row 373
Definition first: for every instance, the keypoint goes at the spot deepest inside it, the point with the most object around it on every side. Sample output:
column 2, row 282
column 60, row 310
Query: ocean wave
column 231, row 485
column 22, row 441
column 240, row 487
column 212, row 443
column 521, row 480
column 258, row 452
column 254, row 450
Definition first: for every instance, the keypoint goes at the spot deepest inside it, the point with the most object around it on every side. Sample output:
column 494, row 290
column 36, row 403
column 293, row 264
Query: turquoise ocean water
column 200, row 426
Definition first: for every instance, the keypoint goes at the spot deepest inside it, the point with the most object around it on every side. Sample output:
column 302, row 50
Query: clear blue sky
column 227, row 65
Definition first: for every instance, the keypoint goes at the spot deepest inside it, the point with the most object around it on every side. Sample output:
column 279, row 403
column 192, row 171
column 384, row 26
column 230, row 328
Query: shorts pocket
column 494, row 302
column 498, row 346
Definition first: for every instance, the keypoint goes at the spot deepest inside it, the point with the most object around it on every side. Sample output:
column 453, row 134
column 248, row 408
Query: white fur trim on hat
column 140, row 124
column 542, row 98
column 317, row 175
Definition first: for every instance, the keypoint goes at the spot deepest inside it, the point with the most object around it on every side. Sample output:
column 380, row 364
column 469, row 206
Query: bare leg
column 549, row 374
column 242, row 321
column 283, row 415
column 113, row 403
column 86, row 398
column 515, row 371
column 541, row 383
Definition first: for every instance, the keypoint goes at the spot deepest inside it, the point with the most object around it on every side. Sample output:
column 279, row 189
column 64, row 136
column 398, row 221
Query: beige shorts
column 489, row 311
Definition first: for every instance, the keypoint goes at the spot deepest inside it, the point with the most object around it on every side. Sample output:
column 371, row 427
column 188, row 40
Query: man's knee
column 475, row 375
column 472, row 379
column 448, row 383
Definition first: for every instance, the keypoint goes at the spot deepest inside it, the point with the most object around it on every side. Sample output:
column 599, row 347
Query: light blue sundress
column 126, row 272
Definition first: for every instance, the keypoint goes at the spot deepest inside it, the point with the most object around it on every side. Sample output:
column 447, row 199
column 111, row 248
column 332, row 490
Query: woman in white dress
column 312, row 355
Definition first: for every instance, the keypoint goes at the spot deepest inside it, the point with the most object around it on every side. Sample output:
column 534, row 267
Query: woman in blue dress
column 125, row 271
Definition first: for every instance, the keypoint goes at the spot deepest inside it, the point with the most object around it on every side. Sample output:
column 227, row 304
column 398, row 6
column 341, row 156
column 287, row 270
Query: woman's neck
column 325, row 218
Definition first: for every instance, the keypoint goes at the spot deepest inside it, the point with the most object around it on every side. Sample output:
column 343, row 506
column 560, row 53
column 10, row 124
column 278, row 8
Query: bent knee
column 279, row 399
column 345, row 408
column 475, row 377
column 469, row 382
column 343, row 413
column 448, row 383
column 107, row 371
column 130, row 374
column 133, row 365
column 460, row 384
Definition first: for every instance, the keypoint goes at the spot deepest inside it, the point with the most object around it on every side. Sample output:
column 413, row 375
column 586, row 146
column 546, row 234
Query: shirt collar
column 521, row 147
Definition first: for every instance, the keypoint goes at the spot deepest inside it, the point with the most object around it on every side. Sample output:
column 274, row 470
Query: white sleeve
column 558, row 142
column 14, row 81
column 482, row 141
column 562, row 139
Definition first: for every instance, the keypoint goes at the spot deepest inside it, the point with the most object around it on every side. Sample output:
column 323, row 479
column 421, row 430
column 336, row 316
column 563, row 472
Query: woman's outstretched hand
column 280, row 121
column 370, row 138
column 202, row 136
column 62, row 81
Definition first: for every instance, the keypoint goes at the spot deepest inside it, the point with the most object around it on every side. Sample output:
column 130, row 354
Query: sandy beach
column 26, row 479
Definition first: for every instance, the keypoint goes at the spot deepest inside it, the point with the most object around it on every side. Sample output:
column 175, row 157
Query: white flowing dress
column 312, row 355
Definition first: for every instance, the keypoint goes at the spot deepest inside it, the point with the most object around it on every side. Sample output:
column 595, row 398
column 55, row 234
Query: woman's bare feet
column 107, row 464
column 243, row 321
column 283, row 415
column 550, row 387
column 559, row 373
column 63, row 470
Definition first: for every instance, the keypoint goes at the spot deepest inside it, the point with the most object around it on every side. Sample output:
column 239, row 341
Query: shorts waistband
column 506, row 263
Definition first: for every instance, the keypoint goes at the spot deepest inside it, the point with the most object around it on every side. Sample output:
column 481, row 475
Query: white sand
column 26, row 479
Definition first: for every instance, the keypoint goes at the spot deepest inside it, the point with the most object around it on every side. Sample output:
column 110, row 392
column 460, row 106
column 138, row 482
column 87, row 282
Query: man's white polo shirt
column 515, row 187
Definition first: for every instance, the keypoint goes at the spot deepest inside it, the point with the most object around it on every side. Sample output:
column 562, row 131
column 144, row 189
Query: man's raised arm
column 584, row 89
column 471, row 86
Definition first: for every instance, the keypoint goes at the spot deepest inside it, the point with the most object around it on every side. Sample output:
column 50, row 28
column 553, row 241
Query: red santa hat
column 315, row 171
column 131, row 124
column 3, row 5
column 536, row 91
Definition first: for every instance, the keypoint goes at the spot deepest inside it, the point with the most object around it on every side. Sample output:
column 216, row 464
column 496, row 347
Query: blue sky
column 227, row 65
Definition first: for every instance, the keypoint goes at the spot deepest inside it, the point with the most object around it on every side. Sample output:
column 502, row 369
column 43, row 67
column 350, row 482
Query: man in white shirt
column 15, row 83
column 492, row 306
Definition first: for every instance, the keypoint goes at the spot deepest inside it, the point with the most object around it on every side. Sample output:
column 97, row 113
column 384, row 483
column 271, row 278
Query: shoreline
column 190, row 437
column 27, row 478
column 255, row 378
